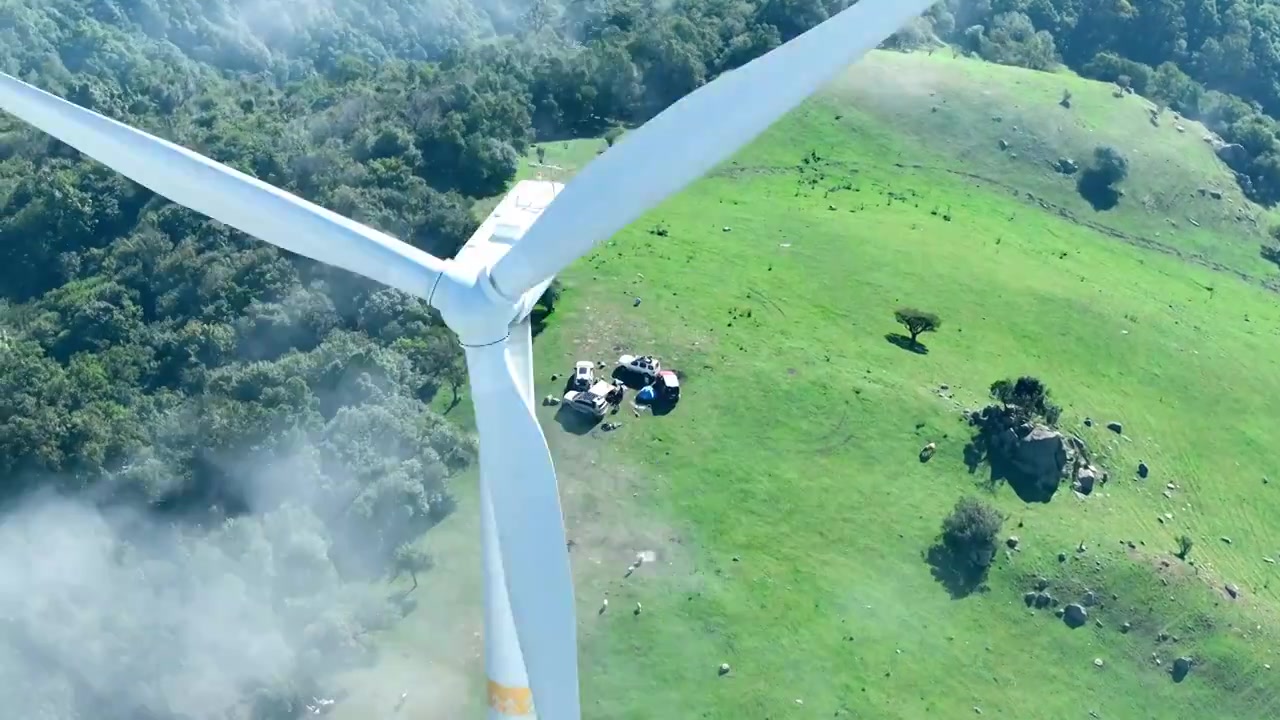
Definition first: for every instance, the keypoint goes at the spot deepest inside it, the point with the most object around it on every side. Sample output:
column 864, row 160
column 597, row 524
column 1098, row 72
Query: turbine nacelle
column 468, row 301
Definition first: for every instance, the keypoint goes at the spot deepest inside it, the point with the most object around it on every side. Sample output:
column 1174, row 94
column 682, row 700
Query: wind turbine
column 486, row 292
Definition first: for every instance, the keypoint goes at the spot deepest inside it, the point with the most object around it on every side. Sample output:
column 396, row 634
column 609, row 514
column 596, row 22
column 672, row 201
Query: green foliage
column 1028, row 397
column 917, row 321
column 1013, row 40
column 412, row 559
column 1185, row 544
column 970, row 534
column 1110, row 164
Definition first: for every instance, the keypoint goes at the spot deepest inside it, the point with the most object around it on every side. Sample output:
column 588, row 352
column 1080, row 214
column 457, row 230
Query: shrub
column 1110, row 164
column 970, row 535
column 1184, row 546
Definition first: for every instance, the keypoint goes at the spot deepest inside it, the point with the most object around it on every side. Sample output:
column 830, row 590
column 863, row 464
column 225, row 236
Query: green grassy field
column 784, row 499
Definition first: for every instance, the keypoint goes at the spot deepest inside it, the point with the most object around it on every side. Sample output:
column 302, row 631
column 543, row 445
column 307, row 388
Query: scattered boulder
column 1180, row 668
column 1115, row 427
column 1004, row 144
column 1042, row 583
column 1090, row 599
column 1126, row 627
column 1086, row 477
column 1074, row 615
column 927, row 451
column 1012, row 542
column 724, row 668
column 1066, row 166
column 1233, row 590
column 1143, row 470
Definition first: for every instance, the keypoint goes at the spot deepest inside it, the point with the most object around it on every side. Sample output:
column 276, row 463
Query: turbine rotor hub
column 472, row 307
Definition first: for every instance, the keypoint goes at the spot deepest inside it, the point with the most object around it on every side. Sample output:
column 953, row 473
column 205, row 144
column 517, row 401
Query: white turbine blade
column 691, row 137
column 224, row 194
column 517, row 469
column 520, row 354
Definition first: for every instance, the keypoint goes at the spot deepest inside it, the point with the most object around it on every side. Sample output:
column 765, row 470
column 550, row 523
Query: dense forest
column 208, row 447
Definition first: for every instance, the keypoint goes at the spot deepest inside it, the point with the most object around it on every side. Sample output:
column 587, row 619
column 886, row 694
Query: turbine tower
column 486, row 292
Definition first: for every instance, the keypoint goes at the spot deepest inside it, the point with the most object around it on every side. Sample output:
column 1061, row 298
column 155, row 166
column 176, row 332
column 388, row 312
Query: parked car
column 667, row 385
column 584, row 375
column 645, row 365
column 593, row 401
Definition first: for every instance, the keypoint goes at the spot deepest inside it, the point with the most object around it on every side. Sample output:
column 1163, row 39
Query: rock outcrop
column 1234, row 155
column 1034, row 457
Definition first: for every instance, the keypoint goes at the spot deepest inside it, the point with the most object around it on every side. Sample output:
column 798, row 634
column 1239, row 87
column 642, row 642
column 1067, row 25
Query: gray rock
column 1115, row 427
column 1181, row 667
column 1074, row 615
column 1234, row 155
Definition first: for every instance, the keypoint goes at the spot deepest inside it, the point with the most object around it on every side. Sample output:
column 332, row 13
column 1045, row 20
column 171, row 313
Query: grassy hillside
column 784, row 498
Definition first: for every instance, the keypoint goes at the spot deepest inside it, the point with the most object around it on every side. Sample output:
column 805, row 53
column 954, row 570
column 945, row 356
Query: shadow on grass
column 575, row 422
column 632, row 379
column 906, row 343
column 960, row 578
column 538, row 320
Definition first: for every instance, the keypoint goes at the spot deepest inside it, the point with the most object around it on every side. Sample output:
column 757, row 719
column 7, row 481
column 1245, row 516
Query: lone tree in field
column 969, row 534
column 917, row 321
column 413, row 560
column 1184, row 546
